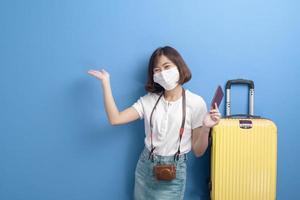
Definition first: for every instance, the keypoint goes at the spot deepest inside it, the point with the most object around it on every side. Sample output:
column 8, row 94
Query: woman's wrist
column 105, row 81
column 205, row 127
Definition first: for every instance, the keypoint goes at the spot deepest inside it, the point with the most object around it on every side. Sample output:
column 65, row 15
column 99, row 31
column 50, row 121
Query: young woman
column 176, row 121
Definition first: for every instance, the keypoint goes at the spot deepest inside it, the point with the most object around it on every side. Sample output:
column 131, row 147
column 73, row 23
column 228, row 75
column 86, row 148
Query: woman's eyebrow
column 165, row 63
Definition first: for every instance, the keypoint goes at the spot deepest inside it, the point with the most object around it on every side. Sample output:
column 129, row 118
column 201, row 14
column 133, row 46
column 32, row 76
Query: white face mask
column 167, row 78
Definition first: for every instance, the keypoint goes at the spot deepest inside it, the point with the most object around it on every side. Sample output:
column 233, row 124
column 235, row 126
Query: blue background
column 55, row 139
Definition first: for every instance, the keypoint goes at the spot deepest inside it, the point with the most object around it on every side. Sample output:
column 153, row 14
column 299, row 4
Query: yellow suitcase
column 243, row 154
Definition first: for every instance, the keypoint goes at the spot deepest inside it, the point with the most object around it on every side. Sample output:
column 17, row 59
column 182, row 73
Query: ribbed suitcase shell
column 243, row 161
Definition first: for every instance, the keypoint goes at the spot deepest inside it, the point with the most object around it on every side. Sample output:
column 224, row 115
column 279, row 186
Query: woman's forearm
column 201, row 141
column 109, row 102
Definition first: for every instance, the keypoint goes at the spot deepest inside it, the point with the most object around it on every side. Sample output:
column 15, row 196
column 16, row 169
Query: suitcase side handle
column 243, row 116
column 250, row 84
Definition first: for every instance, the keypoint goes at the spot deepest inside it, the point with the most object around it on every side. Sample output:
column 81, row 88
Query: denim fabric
column 147, row 187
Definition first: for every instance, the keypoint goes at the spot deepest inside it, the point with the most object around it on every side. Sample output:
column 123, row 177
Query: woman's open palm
column 99, row 74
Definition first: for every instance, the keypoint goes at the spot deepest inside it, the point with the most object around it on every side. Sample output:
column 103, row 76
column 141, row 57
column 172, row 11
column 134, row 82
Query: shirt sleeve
column 139, row 106
column 199, row 113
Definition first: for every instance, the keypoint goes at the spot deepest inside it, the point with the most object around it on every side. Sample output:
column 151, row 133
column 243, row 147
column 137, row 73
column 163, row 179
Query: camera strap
column 181, row 130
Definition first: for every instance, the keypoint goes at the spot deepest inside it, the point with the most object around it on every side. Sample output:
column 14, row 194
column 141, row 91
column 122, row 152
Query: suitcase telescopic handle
column 250, row 84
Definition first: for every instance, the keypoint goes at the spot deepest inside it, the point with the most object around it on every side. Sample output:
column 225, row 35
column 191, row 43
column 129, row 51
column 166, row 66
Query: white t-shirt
column 166, row 120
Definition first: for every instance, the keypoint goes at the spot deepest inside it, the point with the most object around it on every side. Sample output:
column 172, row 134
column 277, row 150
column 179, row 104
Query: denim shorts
column 146, row 185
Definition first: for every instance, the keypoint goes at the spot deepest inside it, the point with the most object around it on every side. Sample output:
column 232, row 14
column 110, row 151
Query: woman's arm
column 114, row 116
column 200, row 135
column 200, row 140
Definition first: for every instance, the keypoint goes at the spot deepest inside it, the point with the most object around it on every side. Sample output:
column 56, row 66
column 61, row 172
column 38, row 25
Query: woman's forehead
column 162, row 60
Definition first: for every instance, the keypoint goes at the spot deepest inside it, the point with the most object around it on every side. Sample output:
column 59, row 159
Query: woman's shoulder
column 149, row 96
column 194, row 98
